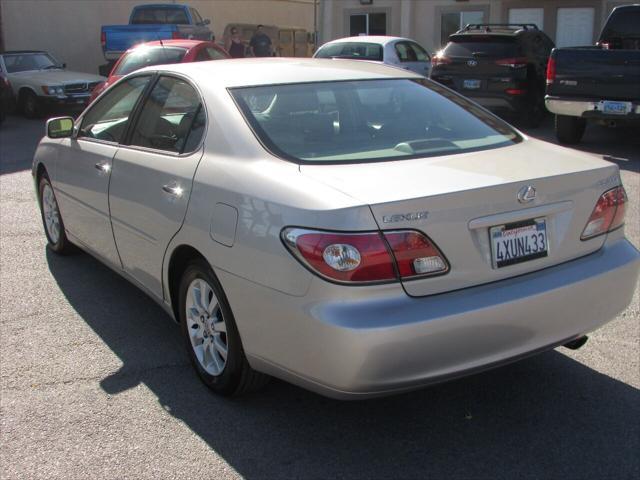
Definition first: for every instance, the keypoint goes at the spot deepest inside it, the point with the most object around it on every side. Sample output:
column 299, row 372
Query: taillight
column 608, row 213
column 512, row 62
column 176, row 34
column 551, row 70
column 371, row 257
column 103, row 39
column 440, row 60
column 515, row 91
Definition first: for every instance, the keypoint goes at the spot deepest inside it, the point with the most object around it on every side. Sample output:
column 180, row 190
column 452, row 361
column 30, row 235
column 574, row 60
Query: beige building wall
column 421, row 19
column 70, row 29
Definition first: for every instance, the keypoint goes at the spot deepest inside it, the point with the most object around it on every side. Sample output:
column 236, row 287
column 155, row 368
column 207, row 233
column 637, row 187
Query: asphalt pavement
column 95, row 382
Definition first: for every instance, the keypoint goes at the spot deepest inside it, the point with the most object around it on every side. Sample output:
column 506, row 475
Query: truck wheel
column 30, row 107
column 569, row 129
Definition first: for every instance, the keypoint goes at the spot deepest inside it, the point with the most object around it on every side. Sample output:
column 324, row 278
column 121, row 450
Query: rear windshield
column 623, row 23
column 353, row 50
column 368, row 121
column 482, row 45
column 147, row 56
column 176, row 16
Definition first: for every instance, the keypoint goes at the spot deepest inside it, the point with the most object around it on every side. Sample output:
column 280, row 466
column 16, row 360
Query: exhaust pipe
column 577, row 343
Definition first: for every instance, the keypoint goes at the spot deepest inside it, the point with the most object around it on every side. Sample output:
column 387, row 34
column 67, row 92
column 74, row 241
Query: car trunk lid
column 464, row 196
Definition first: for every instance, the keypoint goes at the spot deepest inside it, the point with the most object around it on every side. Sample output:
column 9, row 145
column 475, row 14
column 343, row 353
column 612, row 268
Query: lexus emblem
column 527, row 194
column 472, row 63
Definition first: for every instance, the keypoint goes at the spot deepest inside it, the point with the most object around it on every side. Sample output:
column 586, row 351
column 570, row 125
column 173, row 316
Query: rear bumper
column 360, row 345
column 588, row 108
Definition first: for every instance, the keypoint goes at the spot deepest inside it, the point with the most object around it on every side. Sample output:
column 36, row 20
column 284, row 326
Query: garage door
column 527, row 15
column 574, row 27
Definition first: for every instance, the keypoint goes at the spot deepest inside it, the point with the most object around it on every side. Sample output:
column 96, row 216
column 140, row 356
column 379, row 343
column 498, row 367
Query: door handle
column 173, row 189
column 103, row 166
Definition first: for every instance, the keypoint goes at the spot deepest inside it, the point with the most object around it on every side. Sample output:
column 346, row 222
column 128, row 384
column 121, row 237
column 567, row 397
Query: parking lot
column 95, row 381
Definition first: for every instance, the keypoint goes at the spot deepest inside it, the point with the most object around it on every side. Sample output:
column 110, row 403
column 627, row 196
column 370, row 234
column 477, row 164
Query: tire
column 52, row 222
column 209, row 328
column 570, row 129
column 30, row 107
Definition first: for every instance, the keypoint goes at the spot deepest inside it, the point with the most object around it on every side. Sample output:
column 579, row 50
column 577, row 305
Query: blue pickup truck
column 154, row 22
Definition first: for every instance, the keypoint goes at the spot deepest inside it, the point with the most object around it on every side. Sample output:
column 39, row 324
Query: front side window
column 29, row 62
column 368, row 120
column 108, row 119
column 351, row 50
column 171, row 118
column 195, row 16
column 147, row 56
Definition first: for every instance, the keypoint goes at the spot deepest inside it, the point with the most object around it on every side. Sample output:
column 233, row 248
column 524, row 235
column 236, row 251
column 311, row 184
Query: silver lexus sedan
column 351, row 228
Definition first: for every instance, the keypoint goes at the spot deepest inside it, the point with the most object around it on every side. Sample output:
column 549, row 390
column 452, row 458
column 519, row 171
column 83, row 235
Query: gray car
column 351, row 228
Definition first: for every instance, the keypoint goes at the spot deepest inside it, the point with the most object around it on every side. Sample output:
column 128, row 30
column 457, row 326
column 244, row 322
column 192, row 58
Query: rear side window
column 171, row 118
column 411, row 52
column 352, row 50
column 176, row 16
column 209, row 53
column 108, row 119
column 146, row 56
column 482, row 45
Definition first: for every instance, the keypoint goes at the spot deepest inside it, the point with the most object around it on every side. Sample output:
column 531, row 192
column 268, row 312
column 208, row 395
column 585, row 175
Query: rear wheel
column 570, row 129
column 52, row 220
column 30, row 107
column 211, row 334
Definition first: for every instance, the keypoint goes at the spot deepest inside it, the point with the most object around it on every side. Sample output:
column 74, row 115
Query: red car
column 160, row 53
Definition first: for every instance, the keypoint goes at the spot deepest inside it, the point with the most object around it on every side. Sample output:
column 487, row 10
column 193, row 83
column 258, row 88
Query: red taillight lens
column 365, row 257
column 512, row 62
column 551, row 70
column 515, row 91
column 103, row 39
column 440, row 60
column 608, row 213
column 415, row 254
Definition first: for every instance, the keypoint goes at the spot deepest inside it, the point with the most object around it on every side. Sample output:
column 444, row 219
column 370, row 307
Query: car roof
column 379, row 39
column 181, row 42
column 280, row 70
column 18, row 52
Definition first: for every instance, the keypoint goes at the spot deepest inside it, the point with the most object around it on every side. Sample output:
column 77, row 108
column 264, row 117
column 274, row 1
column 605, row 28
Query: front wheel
column 52, row 220
column 30, row 107
column 211, row 335
column 570, row 129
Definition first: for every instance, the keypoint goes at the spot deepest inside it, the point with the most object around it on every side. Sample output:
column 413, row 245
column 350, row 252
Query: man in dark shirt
column 260, row 43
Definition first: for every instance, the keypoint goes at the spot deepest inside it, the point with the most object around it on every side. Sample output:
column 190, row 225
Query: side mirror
column 206, row 21
column 60, row 127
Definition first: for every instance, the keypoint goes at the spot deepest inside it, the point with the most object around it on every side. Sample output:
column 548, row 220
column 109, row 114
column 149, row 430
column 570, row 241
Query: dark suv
column 500, row 66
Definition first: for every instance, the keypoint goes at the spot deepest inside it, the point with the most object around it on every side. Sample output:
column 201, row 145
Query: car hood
column 59, row 76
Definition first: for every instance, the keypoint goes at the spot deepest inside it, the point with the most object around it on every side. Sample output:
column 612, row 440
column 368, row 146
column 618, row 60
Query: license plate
column 616, row 108
column 471, row 84
column 518, row 242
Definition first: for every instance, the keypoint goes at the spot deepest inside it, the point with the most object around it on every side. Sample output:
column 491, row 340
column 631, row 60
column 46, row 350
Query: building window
column 368, row 24
column 451, row 22
column 527, row 15
column 574, row 27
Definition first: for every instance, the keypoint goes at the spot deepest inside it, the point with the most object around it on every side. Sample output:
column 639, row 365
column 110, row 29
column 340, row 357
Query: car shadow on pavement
column 548, row 416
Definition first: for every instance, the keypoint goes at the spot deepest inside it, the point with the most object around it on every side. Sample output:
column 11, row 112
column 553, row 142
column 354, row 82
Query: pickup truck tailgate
column 593, row 72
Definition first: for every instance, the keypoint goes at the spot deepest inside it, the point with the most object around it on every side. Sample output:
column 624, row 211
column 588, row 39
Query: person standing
column 260, row 43
column 234, row 45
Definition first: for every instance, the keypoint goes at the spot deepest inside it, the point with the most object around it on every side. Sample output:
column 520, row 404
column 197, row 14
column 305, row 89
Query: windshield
column 368, row 120
column 353, row 50
column 147, row 56
column 22, row 62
